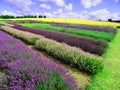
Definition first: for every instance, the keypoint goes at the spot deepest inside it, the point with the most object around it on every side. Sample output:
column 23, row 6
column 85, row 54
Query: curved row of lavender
column 97, row 28
column 83, row 44
column 97, row 41
column 1, row 24
column 23, row 21
column 29, row 70
column 88, row 27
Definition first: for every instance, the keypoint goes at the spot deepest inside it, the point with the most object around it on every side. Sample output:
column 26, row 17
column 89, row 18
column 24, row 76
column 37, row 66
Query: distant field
column 94, row 33
column 73, row 21
column 69, row 45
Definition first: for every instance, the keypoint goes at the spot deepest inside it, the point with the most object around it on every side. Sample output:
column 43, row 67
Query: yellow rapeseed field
column 73, row 21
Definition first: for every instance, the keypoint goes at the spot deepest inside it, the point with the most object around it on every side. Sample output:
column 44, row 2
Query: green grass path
column 109, row 78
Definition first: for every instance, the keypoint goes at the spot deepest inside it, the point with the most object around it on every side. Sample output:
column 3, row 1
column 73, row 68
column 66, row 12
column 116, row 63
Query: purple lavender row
column 97, row 41
column 1, row 24
column 24, row 21
column 83, row 44
column 98, row 28
column 29, row 70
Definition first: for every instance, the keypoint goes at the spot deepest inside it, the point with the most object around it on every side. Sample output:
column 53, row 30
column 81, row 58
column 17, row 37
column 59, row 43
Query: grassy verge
column 109, row 78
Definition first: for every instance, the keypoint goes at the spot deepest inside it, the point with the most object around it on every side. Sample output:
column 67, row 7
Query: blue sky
column 88, row 9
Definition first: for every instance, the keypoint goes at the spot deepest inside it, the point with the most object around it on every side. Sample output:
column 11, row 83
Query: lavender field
column 26, row 69
column 38, row 55
column 59, row 44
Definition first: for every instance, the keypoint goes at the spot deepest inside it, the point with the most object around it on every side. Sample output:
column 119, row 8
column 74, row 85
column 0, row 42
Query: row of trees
column 25, row 16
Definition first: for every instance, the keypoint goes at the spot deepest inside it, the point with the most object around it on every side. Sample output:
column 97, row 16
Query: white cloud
column 19, row 13
column 43, row 0
column 60, row 3
column 62, row 13
column 48, row 14
column 115, row 16
column 21, row 4
column 45, row 6
column 90, row 3
column 35, row 13
column 58, row 12
column 5, row 12
column 102, row 14
column 116, row 0
column 69, row 7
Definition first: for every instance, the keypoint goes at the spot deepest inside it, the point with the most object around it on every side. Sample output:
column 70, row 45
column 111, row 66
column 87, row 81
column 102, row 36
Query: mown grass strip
column 109, row 78
column 97, row 34
column 88, row 27
column 73, row 56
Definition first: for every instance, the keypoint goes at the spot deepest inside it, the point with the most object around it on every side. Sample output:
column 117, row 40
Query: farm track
column 109, row 78
column 81, row 78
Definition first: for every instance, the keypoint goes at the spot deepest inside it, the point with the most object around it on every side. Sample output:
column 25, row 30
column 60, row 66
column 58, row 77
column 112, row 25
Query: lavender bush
column 7, row 45
column 83, row 44
column 29, row 70
column 97, row 41
column 73, row 56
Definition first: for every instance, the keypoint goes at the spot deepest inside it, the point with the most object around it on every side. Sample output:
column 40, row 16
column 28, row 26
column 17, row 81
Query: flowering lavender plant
column 83, row 44
column 27, row 69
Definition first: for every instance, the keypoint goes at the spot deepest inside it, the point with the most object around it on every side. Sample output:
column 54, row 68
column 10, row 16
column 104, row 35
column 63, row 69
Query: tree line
column 24, row 16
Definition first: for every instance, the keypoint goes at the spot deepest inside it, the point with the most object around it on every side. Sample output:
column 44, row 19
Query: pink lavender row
column 97, row 28
column 29, row 70
column 83, row 44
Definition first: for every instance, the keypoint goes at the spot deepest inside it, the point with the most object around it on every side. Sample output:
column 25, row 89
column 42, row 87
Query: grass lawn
column 109, row 78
